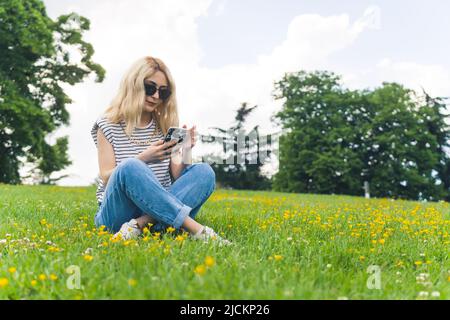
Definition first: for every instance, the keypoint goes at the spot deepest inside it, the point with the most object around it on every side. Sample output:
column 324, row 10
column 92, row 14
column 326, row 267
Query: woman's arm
column 106, row 159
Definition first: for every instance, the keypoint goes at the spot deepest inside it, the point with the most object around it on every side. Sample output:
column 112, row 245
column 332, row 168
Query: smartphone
column 175, row 133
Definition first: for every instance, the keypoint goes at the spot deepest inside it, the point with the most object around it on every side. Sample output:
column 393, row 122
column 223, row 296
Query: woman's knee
column 206, row 174
column 130, row 165
column 133, row 171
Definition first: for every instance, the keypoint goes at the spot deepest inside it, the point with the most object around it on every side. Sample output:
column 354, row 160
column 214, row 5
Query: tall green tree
column 38, row 56
column 402, row 151
column 242, row 152
column 335, row 139
column 314, row 156
column 436, row 119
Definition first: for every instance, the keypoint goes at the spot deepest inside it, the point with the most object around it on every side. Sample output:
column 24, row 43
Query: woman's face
column 153, row 102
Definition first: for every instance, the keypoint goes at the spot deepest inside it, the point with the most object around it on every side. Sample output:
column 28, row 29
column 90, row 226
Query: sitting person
column 144, row 180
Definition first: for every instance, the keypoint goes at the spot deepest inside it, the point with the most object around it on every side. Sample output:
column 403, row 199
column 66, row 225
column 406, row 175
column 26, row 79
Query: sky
column 222, row 53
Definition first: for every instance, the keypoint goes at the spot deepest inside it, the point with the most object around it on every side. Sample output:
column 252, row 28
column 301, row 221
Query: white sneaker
column 129, row 230
column 207, row 234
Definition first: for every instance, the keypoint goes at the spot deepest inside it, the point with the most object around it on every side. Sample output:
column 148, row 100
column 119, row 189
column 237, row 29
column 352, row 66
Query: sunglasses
column 150, row 89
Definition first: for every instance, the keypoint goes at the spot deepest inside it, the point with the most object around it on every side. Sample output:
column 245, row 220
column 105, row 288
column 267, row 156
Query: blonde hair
column 129, row 101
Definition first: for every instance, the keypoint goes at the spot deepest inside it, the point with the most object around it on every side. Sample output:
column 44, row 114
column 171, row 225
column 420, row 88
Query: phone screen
column 175, row 134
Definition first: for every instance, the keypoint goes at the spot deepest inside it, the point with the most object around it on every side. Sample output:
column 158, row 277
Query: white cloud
column 433, row 78
column 310, row 40
column 207, row 97
column 220, row 8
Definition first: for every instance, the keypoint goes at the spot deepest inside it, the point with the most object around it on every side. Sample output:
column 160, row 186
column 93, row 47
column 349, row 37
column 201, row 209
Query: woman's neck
column 146, row 118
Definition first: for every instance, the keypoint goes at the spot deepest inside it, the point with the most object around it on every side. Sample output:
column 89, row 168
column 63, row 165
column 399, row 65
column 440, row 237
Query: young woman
column 144, row 180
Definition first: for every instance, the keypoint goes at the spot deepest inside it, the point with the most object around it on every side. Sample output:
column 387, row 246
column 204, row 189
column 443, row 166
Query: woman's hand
column 192, row 134
column 158, row 151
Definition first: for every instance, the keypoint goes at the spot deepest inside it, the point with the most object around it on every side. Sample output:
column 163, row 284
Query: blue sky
column 410, row 30
column 225, row 52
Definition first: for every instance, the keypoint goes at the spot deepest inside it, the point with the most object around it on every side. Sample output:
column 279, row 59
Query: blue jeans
column 133, row 190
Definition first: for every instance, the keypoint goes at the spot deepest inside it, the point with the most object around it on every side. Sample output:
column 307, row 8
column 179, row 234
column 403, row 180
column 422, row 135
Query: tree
column 335, row 139
column 435, row 115
column 242, row 150
column 313, row 156
column 55, row 160
column 38, row 57
column 402, row 151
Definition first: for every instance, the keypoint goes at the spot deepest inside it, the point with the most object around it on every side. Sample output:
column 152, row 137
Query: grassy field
column 286, row 246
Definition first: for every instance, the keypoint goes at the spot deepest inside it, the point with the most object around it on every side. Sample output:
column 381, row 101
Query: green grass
column 286, row 246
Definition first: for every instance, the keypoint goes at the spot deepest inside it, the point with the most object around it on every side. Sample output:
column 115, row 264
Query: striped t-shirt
column 124, row 148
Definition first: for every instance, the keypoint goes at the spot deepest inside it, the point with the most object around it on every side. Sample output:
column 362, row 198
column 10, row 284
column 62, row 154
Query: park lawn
column 286, row 246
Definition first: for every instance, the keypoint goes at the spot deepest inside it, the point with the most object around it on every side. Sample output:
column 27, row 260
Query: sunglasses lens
column 164, row 93
column 150, row 89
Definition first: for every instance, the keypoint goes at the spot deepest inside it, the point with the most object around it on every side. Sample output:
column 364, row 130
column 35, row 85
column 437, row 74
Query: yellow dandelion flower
column 3, row 282
column 88, row 257
column 166, row 249
column 42, row 277
column 132, row 282
column 43, row 222
column 12, row 270
column 156, row 235
column 200, row 270
column 362, row 258
column 170, row 229
column 127, row 242
column 115, row 239
column 209, row 261
column 418, row 263
column 33, row 283
column 53, row 277
column 277, row 257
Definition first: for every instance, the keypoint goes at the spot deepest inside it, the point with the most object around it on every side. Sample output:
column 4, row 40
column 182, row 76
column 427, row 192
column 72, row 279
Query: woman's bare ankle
column 192, row 226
